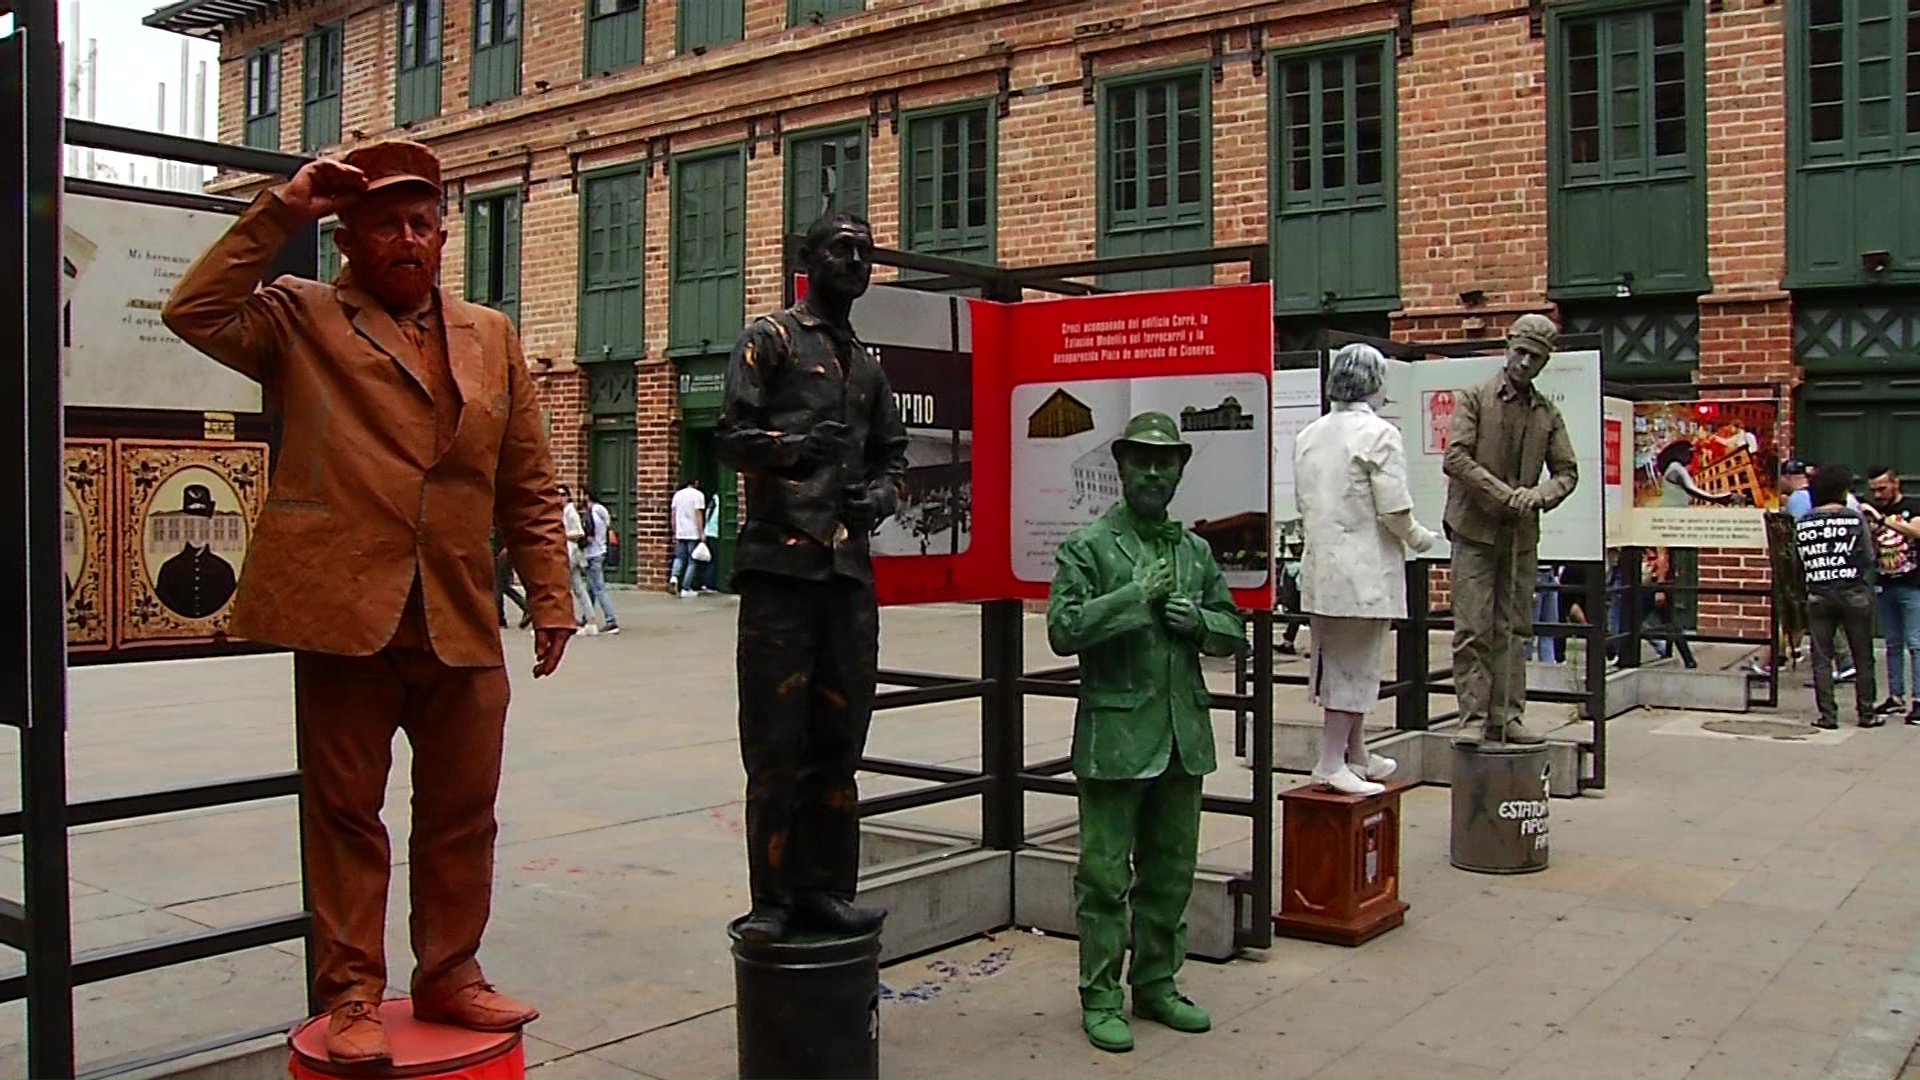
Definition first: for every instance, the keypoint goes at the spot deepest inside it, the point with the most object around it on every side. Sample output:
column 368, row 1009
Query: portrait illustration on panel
column 189, row 510
column 85, row 498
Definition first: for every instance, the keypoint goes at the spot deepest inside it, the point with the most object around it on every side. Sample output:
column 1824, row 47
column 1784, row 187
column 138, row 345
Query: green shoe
column 1107, row 1030
column 1174, row 1010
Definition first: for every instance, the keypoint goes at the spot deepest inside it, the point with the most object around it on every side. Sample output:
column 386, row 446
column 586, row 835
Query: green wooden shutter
column 613, row 249
column 705, row 23
column 800, row 12
column 708, row 299
column 1333, row 181
column 496, row 51
column 509, row 301
column 947, row 184
column 320, row 81
column 416, row 88
column 482, row 231
column 1626, row 185
column 329, row 261
column 1155, row 176
column 616, row 35
column 262, row 99
column 825, row 172
column 1853, row 182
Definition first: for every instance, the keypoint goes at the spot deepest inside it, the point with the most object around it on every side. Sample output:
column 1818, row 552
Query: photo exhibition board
column 1420, row 398
column 960, row 367
column 1079, row 368
column 167, row 452
column 1703, row 473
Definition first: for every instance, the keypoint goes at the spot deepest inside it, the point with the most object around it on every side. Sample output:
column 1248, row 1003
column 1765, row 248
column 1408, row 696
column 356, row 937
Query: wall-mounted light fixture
column 1473, row 298
column 1875, row 262
column 1625, row 288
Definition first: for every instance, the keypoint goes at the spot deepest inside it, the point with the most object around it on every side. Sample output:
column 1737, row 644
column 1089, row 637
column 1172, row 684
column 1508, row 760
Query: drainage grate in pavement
column 1762, row 729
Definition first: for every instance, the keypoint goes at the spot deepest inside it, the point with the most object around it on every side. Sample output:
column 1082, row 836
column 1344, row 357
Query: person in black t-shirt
column 1836, row 555
column 1895, row 517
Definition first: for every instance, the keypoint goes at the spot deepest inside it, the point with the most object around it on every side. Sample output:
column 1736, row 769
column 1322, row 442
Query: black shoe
column 1889, row 707
column 1913, row 718
column 1875, row 720
column 1830, row 725
column 832, row 914
column 1287, row 648
column 763, row 926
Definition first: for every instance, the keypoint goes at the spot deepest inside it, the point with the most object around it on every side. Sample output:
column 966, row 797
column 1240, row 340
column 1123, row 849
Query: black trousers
column 808, row 655
column 1852, row 614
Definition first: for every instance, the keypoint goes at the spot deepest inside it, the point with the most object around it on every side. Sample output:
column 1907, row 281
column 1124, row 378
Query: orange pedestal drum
column 1339, row 864
column 420, row 1050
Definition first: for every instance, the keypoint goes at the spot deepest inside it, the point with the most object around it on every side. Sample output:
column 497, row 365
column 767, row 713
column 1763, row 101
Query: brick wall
column 1471, row 154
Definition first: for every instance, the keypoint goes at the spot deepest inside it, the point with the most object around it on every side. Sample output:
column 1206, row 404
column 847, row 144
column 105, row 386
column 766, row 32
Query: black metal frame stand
column 41, row 925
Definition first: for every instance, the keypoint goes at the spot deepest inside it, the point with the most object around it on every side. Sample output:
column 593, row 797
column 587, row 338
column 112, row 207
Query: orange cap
column 394, row 162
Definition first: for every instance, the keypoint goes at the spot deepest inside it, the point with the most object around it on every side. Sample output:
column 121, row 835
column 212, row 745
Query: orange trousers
column 346, row 711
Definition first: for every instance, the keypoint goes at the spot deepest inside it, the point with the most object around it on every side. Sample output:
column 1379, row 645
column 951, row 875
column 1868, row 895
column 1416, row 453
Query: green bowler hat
column 1153, row 429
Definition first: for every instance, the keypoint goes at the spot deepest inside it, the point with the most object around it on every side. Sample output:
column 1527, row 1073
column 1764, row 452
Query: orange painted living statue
column 409, row 426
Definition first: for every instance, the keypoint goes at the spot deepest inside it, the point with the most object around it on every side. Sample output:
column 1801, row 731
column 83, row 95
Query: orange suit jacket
column 358, row 504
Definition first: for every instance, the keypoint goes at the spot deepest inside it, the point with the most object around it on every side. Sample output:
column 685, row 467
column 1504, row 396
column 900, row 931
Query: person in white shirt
column 576, row 530
column 689, row 528
column 597, row 521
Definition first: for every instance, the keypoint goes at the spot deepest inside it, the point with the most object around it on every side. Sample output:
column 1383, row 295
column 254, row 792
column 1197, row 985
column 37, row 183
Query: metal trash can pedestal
column 807, row 1007
column 1500, row 808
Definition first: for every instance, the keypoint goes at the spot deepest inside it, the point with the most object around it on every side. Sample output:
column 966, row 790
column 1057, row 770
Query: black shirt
column 1836, row 554
column 790, row 371
column 1899, row 556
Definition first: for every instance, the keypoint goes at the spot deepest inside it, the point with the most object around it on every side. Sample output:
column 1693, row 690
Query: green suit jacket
column 1142, row 698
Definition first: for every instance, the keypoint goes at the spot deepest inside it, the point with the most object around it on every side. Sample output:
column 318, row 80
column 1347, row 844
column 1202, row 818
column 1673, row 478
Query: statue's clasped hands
column 1155, row 578
column 1525, row 501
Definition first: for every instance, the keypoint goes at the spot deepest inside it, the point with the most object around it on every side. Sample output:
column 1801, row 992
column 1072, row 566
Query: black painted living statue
column 811, row 423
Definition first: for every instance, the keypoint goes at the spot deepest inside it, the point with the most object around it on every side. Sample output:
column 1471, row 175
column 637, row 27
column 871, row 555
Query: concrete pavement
column 1733, row 906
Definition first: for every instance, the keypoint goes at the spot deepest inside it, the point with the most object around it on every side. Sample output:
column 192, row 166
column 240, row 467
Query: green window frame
column 261, row 99
column 616, row 35
column 826, row 171
column 1626, row 149
column 493, row 251
column 320, row 74
column 1853, row 143
column 1155, row 173
column 1333, row 178
column 416, row 85
column 802, row 12
column 948, row 168
column 328, row 262
column 703, row 24
column 707, row 252
column 613, row 265
column 495, row 71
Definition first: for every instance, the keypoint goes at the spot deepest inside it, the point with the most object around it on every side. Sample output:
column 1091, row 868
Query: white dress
column 1350, row 477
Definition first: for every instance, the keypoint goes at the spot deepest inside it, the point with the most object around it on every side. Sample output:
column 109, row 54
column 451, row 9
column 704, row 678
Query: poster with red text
column 1078, row 369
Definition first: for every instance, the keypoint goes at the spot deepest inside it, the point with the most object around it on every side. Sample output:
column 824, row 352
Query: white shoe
column 1376, row 768
column 1345, row 782
column 688, row 594
column 589, row 630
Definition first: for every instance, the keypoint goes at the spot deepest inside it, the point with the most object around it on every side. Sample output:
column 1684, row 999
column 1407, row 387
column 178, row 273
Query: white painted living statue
column 1350, row 472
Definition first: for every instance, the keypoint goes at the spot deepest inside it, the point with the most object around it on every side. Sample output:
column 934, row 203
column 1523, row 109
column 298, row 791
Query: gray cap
column 1537, row 331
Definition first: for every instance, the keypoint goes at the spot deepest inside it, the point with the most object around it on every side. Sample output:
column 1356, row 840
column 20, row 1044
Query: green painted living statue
column 1138, row 599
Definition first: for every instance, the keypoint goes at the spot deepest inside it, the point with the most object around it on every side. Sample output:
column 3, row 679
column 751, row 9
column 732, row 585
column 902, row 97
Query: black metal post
column 1003, row 809
column 1595, row 602
column 1261, row 932
column 1412, row 707
column 1242, row 684
column 34, row 72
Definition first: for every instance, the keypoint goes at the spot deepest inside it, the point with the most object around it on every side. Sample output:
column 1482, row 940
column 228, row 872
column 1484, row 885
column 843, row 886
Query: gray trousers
column 1492, row 620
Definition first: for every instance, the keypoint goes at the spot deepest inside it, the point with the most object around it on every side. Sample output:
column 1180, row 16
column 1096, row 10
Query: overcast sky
column 134, row 59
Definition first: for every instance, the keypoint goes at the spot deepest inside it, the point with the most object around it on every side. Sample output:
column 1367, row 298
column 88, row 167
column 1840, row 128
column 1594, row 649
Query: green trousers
column 1139, row 840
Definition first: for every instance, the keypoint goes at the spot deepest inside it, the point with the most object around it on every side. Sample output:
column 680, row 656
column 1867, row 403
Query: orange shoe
column 355, row 1035
column 476, row 1007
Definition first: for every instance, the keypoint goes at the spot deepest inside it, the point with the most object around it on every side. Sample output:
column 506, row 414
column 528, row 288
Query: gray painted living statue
column 1504, row 434
column 1139, row 599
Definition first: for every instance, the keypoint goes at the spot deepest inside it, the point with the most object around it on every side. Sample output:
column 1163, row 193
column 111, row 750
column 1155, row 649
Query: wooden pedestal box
column 1339, row 864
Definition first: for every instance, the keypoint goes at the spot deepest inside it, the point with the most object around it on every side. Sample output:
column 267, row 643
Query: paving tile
column 1375, row 1063
column 1803, row 892
column 1753, row 1048
column 1668, row 886
column 1592, row 1048
column 581, row 1067
column 1676, row 998
column 700, row 1046
column 1492, row 1019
